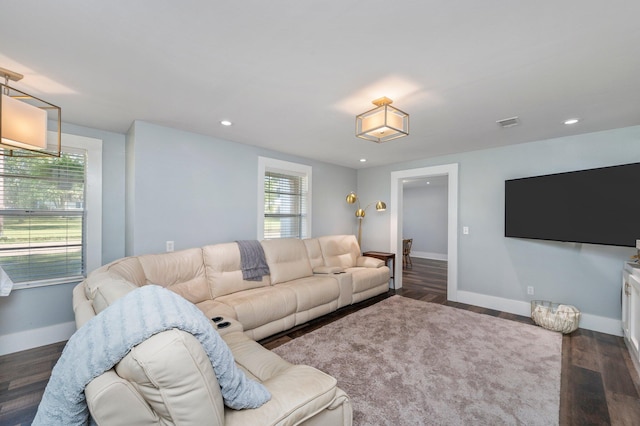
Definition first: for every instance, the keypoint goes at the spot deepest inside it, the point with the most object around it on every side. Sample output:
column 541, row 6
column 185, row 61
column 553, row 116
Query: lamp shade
column 23, row 125
column 383, row 123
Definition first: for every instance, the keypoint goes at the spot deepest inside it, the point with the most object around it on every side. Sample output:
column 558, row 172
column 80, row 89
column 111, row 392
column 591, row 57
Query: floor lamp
column 352, row 198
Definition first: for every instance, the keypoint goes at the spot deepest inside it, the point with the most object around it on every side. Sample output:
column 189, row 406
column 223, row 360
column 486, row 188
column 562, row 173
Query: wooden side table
column 388, row 258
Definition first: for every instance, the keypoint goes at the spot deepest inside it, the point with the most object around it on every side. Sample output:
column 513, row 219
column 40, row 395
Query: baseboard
column 518, row 307
column 16, row 342
column 428, row 255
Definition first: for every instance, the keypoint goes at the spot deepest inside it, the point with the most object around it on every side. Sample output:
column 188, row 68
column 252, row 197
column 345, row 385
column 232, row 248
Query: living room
column 163, row 180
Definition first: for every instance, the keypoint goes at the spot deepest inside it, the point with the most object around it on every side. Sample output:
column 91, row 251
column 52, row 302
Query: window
column 44, row 226
column 284, row 199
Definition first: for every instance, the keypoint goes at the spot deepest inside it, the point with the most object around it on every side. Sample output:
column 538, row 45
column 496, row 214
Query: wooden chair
column 406, row 252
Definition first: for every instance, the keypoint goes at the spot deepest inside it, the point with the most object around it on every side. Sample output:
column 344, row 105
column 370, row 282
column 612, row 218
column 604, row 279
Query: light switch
column 465, row 230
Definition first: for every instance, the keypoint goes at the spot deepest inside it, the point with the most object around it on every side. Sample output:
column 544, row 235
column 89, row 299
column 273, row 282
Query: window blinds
column 285, row 205
column 42, row 217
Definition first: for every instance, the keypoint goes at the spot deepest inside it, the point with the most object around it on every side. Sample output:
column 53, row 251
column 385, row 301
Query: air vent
column 508, row 122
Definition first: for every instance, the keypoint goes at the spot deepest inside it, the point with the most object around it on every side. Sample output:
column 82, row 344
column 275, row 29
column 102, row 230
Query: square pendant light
column 383, row 123
column 24, row 121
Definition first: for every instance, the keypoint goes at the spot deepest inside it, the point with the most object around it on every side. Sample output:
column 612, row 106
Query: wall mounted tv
column 597, row 206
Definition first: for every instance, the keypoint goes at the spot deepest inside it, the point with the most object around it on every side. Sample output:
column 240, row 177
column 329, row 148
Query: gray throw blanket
column 252, row 260
column 105, row 339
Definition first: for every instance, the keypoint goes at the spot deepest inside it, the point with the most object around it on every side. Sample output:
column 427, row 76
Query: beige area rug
column 407, row 362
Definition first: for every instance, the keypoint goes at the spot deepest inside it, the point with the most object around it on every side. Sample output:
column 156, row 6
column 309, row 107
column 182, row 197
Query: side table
column 388, row 258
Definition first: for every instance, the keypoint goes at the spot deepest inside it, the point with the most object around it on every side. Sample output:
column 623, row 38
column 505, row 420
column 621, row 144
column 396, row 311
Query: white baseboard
column 16, row 342
column 518, row 307
column 10, row 343
column 429, row 255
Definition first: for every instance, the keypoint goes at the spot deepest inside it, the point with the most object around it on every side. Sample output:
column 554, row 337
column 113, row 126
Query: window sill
column 45, row 283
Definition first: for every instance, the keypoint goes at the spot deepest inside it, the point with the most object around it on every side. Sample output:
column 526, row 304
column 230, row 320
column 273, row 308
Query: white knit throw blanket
column 104, row 340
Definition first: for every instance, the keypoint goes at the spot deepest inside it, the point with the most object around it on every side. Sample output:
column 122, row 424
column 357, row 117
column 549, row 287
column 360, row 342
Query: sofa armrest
column 327, row 269
column 369, row 262
column 297, row 393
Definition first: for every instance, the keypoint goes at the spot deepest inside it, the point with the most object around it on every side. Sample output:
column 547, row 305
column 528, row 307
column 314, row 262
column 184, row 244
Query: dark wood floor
column 599, row 384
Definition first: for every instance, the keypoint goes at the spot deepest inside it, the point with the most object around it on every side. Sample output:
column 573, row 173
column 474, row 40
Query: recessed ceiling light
column 363, row 160
column 428, row 183
column 226, row 123
column 571, row 121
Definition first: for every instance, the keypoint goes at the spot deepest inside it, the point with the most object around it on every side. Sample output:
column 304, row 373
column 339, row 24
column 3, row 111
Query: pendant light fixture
column 24, row 121
column 383, row 123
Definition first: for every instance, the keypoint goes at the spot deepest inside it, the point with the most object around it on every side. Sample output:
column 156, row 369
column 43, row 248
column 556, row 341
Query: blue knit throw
column 105, row 339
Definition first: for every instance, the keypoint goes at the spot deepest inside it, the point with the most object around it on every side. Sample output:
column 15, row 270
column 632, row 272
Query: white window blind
column 42, row 217
column 285, row 205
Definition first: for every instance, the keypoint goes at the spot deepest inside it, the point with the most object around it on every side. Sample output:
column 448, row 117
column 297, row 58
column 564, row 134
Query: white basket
column 554, row 316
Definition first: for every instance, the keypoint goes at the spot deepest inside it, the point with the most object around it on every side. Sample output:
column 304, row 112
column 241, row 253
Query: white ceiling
column 291, row 75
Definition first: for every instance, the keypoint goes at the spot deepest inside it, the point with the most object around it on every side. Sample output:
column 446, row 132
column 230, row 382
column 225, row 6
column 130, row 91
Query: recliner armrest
column 369, row 262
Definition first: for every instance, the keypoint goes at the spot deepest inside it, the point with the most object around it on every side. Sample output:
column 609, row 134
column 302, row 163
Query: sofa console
column 168, row 379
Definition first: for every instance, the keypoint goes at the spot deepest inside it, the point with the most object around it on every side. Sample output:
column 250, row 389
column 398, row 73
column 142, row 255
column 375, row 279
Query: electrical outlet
column 169, row 246
column 530, row 290
column 465, row 230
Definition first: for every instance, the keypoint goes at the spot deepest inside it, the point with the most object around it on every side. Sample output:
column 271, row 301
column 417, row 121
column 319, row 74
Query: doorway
column 396, row 231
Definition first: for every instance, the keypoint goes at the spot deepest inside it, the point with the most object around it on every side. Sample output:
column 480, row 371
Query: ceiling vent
column 508, row 122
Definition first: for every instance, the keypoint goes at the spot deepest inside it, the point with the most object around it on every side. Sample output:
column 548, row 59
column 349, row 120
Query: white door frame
column 451, row 171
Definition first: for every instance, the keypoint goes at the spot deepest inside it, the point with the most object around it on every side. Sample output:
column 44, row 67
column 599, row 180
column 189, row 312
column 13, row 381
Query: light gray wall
column 424, row 218
column 197, row 190
column 585, row 275
column 180, row 186
column 44, row 306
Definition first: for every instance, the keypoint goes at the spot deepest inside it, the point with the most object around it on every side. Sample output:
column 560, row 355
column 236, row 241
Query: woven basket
column 554, row 316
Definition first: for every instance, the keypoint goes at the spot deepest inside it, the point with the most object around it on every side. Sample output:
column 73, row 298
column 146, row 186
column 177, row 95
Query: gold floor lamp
column 360, row 212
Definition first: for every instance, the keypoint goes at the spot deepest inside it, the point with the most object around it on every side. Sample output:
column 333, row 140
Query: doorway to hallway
column 396, row 227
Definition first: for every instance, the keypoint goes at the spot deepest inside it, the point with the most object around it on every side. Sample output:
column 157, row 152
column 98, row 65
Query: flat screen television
column 596, row 206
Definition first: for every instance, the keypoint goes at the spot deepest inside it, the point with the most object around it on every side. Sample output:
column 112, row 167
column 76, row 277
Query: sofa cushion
column 367, row 278
column 340, row 250
column 259, row 306
column 287, row 259
column 181, row 272
column 297, row 391
column 314, row 252
column 296, row 395
column 129, row 269
column 257, row 362
column 223, row 270
column 313, row 291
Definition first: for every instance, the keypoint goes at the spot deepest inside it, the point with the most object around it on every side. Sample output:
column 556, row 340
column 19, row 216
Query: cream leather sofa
column 168, row 378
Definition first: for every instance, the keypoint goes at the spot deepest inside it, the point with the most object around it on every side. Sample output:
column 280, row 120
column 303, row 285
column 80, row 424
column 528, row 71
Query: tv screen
column 597, row 206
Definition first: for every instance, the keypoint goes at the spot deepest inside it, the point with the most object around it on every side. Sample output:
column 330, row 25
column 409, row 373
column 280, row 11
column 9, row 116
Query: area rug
column 408, row 362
